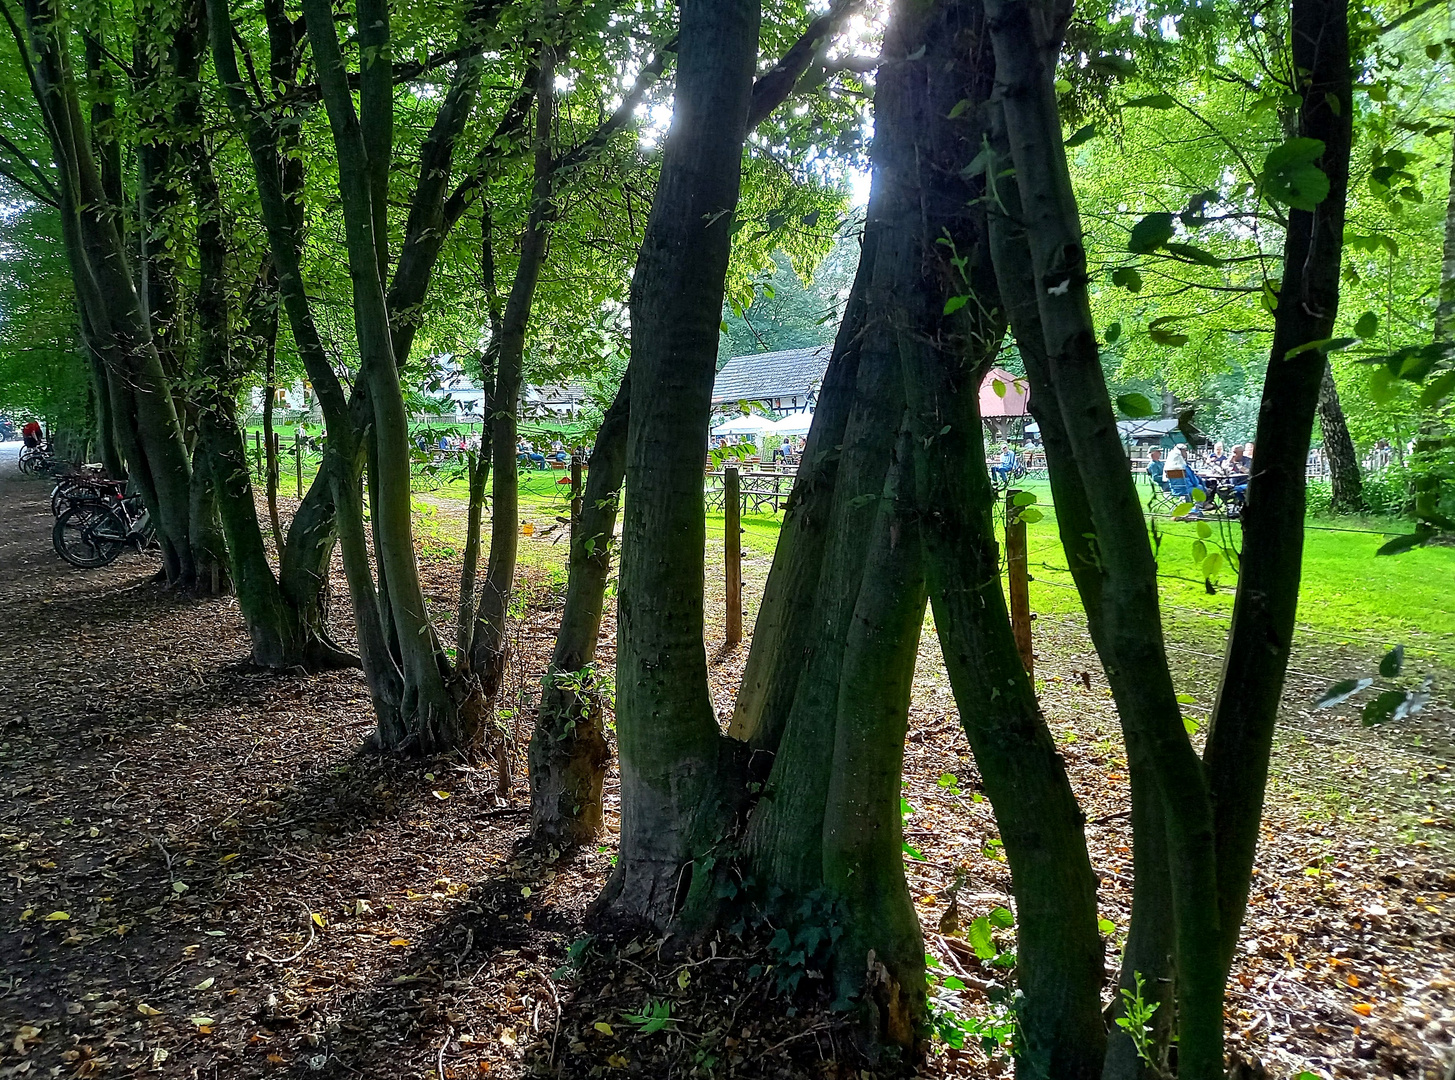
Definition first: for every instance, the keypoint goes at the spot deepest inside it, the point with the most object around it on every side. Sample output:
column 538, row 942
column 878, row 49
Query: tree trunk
column 1348, row 485
column 154, row 446
column 1150, row 944
column 1027, row 40
column 490, row 650
column 775, row 660
column 568, row 751
column 1241, row 734
column 879, row 958
column 676, row 777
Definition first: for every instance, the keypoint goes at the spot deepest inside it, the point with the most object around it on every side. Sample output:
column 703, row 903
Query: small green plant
column 656, row 1016
column 1137, row 1021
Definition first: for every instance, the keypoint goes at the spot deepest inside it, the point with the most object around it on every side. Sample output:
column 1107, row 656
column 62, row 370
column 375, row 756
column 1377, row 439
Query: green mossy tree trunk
column 673, row 767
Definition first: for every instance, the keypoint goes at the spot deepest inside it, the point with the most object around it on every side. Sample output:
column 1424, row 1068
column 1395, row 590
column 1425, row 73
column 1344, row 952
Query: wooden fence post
column 732, row 547
column 1016, row 559
column 298, row 463
column 258, row 452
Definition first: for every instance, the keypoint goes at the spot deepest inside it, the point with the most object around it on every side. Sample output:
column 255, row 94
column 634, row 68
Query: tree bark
column 775, row 656
column 568, row 751
column 1027, row 40
column 674, row 763
column 153, row 441
column 490, row 649
column 1348, row 485
column 944, row 251
column 1240, row 738
column 863, row 841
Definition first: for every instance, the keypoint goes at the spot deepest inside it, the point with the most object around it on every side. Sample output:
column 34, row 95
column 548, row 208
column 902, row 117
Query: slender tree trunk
column 104, row 285
column 880, row 956
column 270, row 451
column 490, row 650
column 1027, row 39
column 568, row 751
column 1151, row 942
column 1241, row 735
column 775, row 659
column 674, row 768
column 1348, row 485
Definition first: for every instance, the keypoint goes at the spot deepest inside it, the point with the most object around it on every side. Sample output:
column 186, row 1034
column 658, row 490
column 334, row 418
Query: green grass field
column 1349, row 596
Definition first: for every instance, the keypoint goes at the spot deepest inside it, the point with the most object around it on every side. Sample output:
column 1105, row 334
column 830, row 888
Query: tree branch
column 774, row 86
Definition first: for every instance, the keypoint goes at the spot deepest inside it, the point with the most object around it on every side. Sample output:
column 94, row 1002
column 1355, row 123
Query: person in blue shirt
column 1155, row 466
column 1002, row 472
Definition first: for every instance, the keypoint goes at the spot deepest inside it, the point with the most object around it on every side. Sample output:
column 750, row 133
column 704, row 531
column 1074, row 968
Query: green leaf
column 1002, row 918
column 1367, row 326
column 1186, row 699
column 1150, row 233
column 981, row 938
column 1199, row 551
column 1113, row 332
column 1029, row 517
column 1135, row 405
column 1212, row 564
column 1169, row 338
column 1082, row 135
column 1128, row 278
column 1106, row 926
column 1195, row 255
column 1204, row 530
column 955, row 303
column 1437, row 390
column 960, row 107
column 1393, row 661
column 998, row 385
column 948, row 779
column 912, row 852
column 1024, row 498
column 1323, row 345
column 1341, row 691
column 1291, row 177
column 1153, row 101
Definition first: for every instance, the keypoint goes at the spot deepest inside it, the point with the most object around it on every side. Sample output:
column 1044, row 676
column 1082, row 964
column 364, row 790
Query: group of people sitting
column 529, row 456
column 1220, row 479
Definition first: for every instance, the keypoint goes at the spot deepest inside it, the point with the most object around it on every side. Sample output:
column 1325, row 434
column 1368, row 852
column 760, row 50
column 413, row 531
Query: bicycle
column 92, row 534
column 34, row 459
column 82, row 485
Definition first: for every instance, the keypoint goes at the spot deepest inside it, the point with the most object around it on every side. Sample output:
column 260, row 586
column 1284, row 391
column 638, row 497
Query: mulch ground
column 202, row 874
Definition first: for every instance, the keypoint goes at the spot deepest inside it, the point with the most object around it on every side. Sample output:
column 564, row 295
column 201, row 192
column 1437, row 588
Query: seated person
column 30, row 434
column 1003, row 471
column 1155, row 467
column 1238, row 463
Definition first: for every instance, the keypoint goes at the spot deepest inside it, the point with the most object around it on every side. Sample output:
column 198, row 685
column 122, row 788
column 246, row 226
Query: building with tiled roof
column 786, row 381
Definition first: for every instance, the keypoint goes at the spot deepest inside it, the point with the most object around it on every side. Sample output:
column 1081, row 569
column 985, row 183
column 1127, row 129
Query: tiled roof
column 760, row 376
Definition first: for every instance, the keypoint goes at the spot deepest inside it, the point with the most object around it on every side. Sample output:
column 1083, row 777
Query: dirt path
column 202, row 876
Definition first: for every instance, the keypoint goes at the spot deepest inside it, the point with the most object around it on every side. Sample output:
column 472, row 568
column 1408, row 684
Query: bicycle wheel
column 89, row 536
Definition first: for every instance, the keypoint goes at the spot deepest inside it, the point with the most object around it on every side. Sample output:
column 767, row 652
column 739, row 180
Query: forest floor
column 202, row 874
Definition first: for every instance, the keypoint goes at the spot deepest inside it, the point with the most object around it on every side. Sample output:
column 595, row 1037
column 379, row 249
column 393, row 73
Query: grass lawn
column 1349, row 596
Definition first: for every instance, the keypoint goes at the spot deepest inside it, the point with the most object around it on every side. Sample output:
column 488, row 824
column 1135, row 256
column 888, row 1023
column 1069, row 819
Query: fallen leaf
column 147, row 1010
column 603, row 1027
column 58, row 916
column 205, row 984
column 1363, row 1008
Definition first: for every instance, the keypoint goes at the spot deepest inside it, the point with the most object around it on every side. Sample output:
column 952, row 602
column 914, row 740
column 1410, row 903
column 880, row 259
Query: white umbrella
column 793, row 424
column 751, row 424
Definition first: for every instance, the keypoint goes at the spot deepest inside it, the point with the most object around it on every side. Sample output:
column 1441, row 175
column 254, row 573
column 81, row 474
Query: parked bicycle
column 92, row 534
column 83, row 485
column 35, row 459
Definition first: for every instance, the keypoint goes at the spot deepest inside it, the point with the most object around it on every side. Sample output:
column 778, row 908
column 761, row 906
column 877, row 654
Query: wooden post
column 258, row 452
column 1016, row 559
column 575, row 494
column 298, row 463
column 732, row 549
